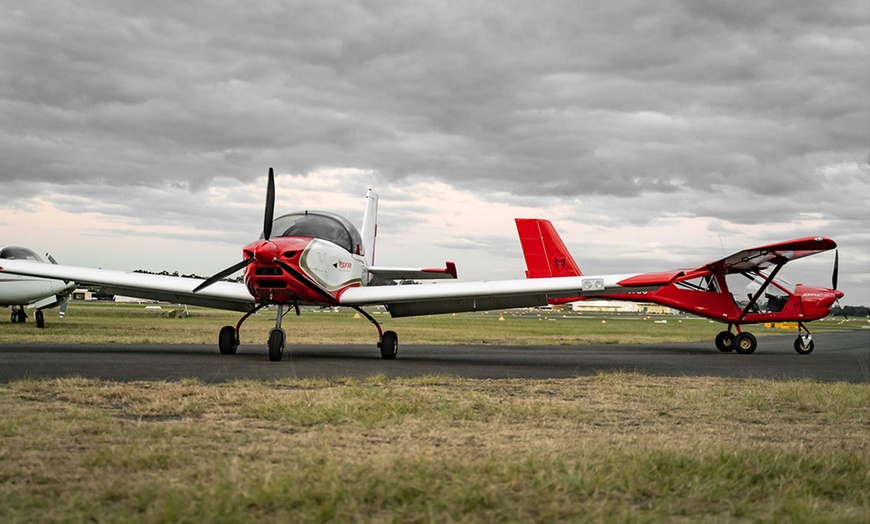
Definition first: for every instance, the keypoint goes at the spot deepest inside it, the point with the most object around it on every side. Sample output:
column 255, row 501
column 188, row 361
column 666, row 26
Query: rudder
column 545, row 253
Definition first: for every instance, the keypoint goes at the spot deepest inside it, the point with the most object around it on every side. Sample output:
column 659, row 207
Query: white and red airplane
column 320, row 258
column 28, row 292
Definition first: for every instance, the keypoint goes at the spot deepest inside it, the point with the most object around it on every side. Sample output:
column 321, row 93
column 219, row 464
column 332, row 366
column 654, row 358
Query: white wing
column 410, row 300
column 221, row 295
column 453, row 297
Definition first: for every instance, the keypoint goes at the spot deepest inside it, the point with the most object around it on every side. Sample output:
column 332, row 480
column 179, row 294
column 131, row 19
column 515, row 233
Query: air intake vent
column 270, row 283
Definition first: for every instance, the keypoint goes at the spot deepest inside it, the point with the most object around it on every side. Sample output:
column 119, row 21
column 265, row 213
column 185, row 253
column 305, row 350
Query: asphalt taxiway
column 841, row 356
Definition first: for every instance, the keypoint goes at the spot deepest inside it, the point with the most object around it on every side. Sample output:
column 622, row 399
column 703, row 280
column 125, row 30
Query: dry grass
column 615, row 447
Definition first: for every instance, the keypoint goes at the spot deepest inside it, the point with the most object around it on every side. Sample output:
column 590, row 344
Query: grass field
column 608, row 448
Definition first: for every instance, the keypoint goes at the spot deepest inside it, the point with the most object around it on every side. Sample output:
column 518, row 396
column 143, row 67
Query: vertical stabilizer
column 545, row 253
column 369, row 230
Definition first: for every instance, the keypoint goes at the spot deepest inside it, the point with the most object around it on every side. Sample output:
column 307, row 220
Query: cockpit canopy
column 19, row 253
column 319, row 224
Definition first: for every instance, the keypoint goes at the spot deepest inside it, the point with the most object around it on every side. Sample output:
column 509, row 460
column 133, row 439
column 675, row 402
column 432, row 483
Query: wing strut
column 760, row 291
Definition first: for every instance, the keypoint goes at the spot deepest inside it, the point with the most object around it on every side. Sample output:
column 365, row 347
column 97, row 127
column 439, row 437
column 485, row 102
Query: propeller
column 65, row 301
column 270, row 206
column 834, row 278
column 223, row 274
column 267, row 232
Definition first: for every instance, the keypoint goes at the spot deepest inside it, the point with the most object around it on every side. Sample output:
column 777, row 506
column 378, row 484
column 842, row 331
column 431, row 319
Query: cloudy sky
column 654, row 134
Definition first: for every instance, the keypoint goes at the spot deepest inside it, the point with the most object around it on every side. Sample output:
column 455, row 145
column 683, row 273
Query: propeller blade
column 836, row 268
column 843, row 311
column 53, row 261
column 270, row 206
column 63, row 304
column 223, row 274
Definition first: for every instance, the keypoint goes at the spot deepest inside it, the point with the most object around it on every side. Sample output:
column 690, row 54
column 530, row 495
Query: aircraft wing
column 221, row 295
column 455, row 297
column 397, row 273
column 771, row 255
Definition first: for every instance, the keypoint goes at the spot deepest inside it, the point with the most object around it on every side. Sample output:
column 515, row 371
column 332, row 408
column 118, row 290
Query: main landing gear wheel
column 389, row 345
column 725, row 341
column 745, row 343
column 276, row 344
column 40, row 318
column 19, row 316
column 227, row 341
column 804, row 345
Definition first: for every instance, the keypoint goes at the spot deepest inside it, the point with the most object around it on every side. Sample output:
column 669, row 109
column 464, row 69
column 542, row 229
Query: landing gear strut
column 228, row 339
column 388, row 341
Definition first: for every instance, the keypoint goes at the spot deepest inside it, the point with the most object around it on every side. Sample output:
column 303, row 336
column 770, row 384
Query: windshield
column 19, row 253
column 319, row 224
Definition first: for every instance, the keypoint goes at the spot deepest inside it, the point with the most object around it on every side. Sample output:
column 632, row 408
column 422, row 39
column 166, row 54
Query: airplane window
column 19, row 253
column 321, row 225
column 744, row 286
column 707, row 283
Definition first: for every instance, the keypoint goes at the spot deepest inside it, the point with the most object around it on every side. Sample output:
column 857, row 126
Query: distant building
column 132, row 300
column 619, row 306
column 83, row 294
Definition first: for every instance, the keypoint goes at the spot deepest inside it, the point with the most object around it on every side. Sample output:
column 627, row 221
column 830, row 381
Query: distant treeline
column 165, row 273
column 851, row 311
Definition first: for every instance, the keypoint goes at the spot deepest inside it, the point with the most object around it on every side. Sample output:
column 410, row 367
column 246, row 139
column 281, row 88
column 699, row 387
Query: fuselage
column 20, row 290
column 311, row 258
column 717, row 302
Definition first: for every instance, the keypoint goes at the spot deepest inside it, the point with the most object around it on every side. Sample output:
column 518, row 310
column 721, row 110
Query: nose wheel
column 276, row 344
column 804, row 344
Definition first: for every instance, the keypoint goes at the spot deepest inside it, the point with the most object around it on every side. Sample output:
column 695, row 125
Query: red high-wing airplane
column 736, row 290
column 319, row 258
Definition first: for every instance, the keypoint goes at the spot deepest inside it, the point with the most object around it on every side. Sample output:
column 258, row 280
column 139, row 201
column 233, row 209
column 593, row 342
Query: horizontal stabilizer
column 397, row 273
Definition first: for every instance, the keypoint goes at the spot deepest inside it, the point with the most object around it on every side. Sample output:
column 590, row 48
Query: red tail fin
column 544, row 251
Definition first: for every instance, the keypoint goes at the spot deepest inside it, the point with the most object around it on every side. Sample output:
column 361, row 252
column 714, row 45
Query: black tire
column 389, row 345
column 227, row 341
column 725, row 341
column 801, row 348
column 40, row 318
column 14, row 317
column 276, row 345
column 745, row 343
